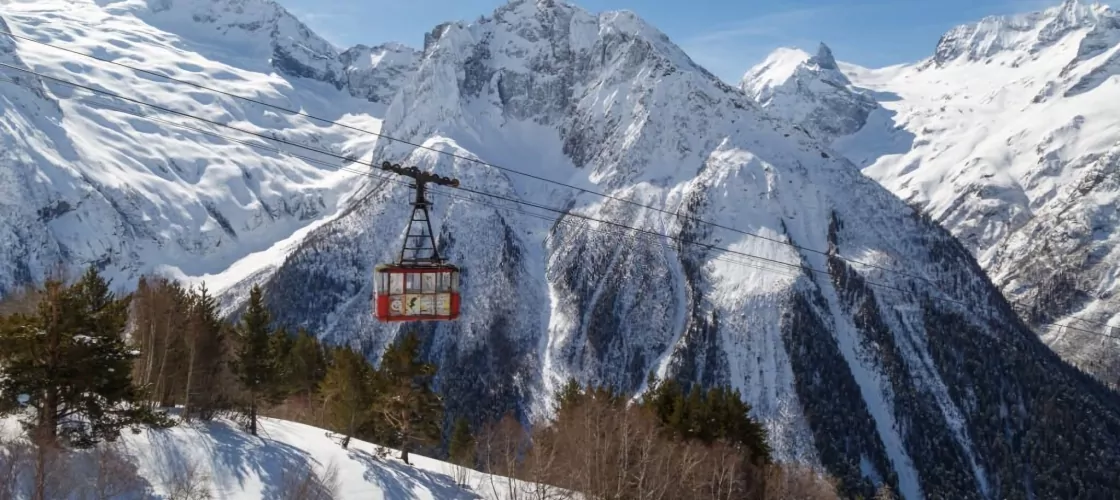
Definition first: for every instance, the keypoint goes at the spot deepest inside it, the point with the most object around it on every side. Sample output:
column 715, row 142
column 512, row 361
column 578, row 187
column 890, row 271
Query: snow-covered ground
column 239, row 466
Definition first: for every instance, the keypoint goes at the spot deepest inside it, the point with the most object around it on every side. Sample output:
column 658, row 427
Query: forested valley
column 79, row 365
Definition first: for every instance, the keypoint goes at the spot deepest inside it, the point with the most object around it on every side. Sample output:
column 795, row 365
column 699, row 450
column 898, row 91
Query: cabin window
column 428, row 282
column 412, row 282
column 455, row 282
column 382, row 282
column 396, row 283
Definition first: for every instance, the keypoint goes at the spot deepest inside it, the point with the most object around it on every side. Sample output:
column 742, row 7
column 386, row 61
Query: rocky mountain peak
column 811, row 91
column 824, row 58
column 1026, row 33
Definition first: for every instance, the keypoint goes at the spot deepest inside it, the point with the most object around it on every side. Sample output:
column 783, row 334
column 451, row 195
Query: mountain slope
column 874, row 384
column 1006, row 137
column 89, row 181
column 233, row 465
column 871, row 373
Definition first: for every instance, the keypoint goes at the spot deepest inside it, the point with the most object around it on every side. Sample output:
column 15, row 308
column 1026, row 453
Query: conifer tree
column 205, row 341
column 568, row 394
column 254, row 365
column 307, row 363
column 306, row 368
column 280, row 344
column 69, row 362
column 409, row 406
column 348, row 392
column 461, row 447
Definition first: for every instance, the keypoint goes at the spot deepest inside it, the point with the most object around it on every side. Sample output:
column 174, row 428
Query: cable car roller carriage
column 420, row 286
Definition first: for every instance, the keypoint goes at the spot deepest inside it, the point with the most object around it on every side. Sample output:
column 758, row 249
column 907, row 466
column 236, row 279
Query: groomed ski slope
column 243, row 467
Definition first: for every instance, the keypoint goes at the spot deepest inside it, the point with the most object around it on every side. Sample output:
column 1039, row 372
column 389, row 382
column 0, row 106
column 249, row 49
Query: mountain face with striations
column 1007, row 137
column 876, row 375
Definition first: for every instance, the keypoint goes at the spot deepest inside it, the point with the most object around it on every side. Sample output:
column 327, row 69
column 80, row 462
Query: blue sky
column 725, row 36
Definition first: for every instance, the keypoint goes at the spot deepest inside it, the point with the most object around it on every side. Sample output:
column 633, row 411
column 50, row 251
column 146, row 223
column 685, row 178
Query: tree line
column 79, row 364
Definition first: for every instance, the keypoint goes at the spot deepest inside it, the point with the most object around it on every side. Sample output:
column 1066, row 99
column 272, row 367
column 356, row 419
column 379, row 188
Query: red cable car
column 420, row 286
column 407, row 293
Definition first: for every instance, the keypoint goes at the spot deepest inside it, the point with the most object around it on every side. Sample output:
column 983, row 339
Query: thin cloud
column 729, row 50
column 324, row 24
column 766, row 25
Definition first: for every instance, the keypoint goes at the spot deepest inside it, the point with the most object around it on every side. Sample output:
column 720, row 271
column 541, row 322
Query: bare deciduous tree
column 798, row 481
column 189, row 482
column 15, row 456
column 303, row 483
column 113, row 475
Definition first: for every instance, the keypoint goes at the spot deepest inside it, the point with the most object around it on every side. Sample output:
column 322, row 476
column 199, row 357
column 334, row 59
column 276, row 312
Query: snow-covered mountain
column 1007, row 136
column 88, row 181
column 811, row 91
column 870, row 373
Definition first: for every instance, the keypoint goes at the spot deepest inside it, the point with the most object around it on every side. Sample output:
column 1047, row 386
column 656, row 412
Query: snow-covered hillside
column 232, row 465
column 871, row 373
column 85, row 182
column 1008, row 137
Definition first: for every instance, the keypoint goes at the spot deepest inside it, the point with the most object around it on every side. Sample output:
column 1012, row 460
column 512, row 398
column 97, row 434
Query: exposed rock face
column 811, row 91
column 1007, row 137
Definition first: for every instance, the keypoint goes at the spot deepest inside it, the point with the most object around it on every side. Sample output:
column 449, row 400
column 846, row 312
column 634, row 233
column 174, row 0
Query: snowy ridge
column 1007, row 137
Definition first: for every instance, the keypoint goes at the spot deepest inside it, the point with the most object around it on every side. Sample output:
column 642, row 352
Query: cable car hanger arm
column 423, row 241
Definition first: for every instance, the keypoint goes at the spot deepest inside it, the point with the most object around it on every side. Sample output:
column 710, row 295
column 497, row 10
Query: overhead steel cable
column 461, row 157
column 563, row 213
column 498, row 167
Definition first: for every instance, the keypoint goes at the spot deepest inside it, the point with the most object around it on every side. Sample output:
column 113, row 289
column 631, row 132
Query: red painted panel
column 383, row 306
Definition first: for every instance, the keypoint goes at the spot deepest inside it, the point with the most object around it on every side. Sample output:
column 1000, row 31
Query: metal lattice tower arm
column 419, row 246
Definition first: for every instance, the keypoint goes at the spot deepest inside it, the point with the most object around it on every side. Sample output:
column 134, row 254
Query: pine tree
column 254, row 364
column 746, row 431
column 569, row 394
column 279, row 348
column 409, row 406
column 69, row 362
column 461, row 447
column 348, row 392
column 307, row 366
column 206, row 346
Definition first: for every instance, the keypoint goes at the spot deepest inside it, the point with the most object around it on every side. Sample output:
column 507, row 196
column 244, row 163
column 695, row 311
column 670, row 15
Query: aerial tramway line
column 432, row 305
column 420, row 286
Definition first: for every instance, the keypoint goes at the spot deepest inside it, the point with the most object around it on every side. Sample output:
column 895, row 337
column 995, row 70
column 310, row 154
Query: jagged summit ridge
column 810, row 91
column 1026, row 33
column 267, row 31
column 824, row 58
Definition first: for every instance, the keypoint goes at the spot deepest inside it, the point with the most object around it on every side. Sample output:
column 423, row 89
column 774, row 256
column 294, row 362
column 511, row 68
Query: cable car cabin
column 416, row 293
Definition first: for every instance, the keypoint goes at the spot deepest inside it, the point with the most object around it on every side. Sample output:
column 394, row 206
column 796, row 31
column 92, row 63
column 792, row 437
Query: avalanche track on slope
column 1007, row 137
